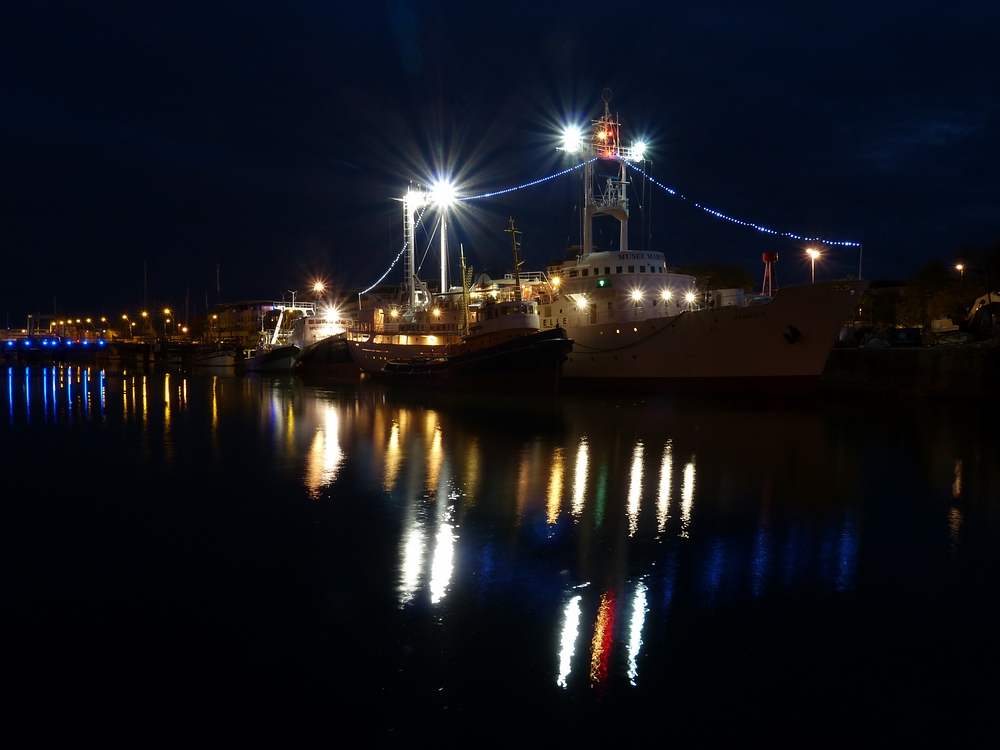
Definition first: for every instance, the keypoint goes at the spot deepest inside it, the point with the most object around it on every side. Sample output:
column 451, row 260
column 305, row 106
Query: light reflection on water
column 593, row 527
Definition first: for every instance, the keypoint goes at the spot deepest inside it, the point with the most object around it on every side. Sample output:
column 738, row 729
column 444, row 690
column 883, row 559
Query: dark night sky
column 271, row 137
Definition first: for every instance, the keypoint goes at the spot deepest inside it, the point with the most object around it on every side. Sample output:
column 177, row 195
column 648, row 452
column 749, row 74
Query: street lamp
column 166, row 319
column 961, row 271
column 813, row 255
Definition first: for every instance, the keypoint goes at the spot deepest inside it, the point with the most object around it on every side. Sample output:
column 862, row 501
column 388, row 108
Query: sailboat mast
column 517, row 263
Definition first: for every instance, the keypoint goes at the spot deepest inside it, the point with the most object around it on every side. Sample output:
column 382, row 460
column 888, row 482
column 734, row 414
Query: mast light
column 442, row 193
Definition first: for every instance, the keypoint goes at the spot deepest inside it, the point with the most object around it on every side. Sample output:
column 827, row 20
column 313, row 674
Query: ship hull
column 281, row 359
column 328, row 357
column 526, row 363
column 372, row 351
column 779, row 347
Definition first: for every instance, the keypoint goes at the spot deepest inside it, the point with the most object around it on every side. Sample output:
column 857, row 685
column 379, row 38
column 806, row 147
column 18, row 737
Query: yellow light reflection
column 215, row 402
column 956, row 485
column 954, row 528
column 639, row 610
column 443, row 563
column 687, row 498
column 393, row 456
column 635, row 489
column 554, row 500
column 325, row 455
column 471, row 472
column 663, row 505
column 435, row 455
column 600, row 644
column 567, row 642
column 166, row 399
column 523, row 475
column 580, row 480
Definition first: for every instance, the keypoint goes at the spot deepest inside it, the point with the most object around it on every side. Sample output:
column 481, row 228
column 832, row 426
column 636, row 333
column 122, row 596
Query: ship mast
column 610, row 199
column 514, row 232
column 413, row 200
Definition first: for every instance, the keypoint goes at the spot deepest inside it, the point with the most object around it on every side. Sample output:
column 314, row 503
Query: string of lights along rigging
column 604, row 143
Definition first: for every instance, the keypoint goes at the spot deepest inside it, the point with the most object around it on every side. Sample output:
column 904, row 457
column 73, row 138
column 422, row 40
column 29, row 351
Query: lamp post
column 813, row 255
column 961, row 271
column 166, row 319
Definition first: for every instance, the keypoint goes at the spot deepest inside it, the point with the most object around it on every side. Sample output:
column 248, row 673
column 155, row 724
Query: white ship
column 636, row 325
column 277, row 352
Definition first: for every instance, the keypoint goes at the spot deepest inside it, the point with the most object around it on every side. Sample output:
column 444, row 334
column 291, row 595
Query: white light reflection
column 639, row 610
column 687, row 498
column 567, row 643
column 663, row 506
column 554, row 501
column 580, row 480
column 443, row 564
column 413, row 555
column 325, row 455
column 635, row 489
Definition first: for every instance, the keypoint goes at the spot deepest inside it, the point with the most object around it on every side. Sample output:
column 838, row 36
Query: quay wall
column 936, row 372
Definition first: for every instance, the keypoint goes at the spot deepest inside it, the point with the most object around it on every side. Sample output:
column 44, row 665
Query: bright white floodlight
column 572, row 139
column 638, row 150
column 443, row 193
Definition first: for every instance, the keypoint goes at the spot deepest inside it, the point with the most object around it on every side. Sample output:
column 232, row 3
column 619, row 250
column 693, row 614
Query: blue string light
column 670, row 190
column 758, row 227
column 396, row 260
column 527, row 184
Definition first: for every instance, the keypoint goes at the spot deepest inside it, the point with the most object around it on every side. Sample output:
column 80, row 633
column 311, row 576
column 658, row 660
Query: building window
column 642, row 269
column 618, row 269
column 631, row 269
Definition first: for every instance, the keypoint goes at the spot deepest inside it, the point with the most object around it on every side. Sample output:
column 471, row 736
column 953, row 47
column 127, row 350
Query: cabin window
column 642, row 269
column 586, row 272
column 631, row 269
column 607, row 270
column 618, row 269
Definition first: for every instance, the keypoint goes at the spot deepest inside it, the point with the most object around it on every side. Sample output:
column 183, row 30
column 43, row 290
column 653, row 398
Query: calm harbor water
column 190, row 547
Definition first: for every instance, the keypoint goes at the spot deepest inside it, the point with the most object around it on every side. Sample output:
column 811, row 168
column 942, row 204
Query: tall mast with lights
column 413, row 200
column 610, row 199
